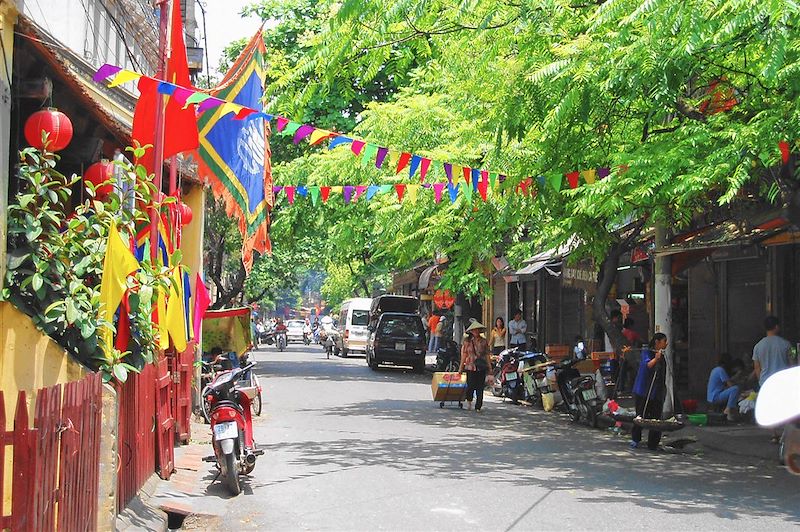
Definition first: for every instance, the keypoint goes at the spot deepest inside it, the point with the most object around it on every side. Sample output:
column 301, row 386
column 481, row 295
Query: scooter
column 507, row 381
column 281, row 340
column 306, row 338
column 578, row 392
column 447, row 357
column 533, row 367
column 235, row 451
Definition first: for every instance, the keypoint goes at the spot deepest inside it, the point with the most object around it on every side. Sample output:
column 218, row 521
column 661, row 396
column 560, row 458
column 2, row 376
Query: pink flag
column 201, row 304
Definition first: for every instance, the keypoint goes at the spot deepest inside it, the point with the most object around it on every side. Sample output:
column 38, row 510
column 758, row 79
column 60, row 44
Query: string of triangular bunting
column 477, row 181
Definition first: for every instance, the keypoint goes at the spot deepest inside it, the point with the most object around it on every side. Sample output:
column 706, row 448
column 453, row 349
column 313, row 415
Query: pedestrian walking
column 517, row 328
column 497, row 338
column 648, row 390
column 475, row 360
column 433, row 343
column 771, row 355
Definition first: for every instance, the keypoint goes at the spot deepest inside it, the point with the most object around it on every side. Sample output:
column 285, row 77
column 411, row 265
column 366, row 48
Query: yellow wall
column 29, row 359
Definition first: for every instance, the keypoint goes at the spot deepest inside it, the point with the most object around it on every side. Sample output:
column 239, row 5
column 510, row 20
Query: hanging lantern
column 53, row 122
column 186, row 214
column 99, row 173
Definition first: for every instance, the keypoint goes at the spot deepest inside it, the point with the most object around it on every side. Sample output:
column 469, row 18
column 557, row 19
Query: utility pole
column 663, row 312
column 158, row 144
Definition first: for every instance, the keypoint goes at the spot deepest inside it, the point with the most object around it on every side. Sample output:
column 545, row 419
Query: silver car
column 294, row 330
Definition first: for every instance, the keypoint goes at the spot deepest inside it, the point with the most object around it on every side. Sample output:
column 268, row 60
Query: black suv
column 397, row 338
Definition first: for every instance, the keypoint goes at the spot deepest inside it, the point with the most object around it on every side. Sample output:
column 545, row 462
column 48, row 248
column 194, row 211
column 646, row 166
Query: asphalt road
column 351, row 449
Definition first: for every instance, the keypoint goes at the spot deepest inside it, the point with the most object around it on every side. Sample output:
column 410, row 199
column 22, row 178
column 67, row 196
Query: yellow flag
column 124, row 76
column 589, row 176
column 161, row 307
column 411, row 193
column 119, row 262
column 176, row 316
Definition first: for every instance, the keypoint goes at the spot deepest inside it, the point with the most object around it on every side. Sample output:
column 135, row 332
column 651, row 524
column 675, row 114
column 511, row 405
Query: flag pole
column 158, row 144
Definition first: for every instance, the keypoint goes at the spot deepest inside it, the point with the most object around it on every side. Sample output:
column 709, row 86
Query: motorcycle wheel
column 232, row 474
column 574, row 415
column 497, row 387
column 257, row 405
column 372, row 363
column 591, row 417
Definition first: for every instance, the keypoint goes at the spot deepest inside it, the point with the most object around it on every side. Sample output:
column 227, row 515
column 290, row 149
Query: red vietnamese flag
column 180, row 125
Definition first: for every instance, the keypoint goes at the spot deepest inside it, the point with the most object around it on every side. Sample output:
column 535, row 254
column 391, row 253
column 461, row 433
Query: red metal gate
column 165, row 422
column 55, row 473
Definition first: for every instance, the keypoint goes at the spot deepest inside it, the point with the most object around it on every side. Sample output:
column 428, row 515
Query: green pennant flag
column 314, row 191
column 369, row 154
column 468, row 192
column 386, row 188
column 555, row 180
column 492, row 179
column 291, row 128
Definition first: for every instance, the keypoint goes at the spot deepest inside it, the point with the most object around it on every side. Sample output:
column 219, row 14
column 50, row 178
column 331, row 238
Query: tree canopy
column 685, row 102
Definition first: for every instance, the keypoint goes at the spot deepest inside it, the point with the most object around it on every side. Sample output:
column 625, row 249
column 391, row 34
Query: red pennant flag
column 483, row 187
column 784, row 147
column 572, row 178
column 325, row 192
column 426, row 163
column 123, row 326
column 281, row 123
column 180, row 125
column 401, row 189
column 467, row 175
column 405, row 157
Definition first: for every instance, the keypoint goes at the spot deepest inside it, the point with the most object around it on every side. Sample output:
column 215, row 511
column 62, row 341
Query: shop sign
column 580, row 276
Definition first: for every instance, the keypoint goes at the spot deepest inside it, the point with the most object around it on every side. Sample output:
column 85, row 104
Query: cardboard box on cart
column 448, row 386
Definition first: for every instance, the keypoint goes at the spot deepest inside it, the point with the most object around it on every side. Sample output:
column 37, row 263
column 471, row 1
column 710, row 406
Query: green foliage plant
column 56, row 248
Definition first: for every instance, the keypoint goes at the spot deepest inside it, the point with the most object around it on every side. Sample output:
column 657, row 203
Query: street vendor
column 648, row 390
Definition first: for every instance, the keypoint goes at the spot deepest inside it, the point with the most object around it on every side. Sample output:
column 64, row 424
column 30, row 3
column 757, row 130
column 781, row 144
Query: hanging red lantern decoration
column 52, row 121
column 97, row 174
column 186, row 214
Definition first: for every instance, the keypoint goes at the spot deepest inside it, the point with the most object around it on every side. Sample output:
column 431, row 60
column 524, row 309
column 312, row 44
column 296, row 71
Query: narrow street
column 350, row 449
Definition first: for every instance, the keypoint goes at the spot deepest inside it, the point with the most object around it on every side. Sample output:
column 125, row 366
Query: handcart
column 449, row 388
column 230, row 331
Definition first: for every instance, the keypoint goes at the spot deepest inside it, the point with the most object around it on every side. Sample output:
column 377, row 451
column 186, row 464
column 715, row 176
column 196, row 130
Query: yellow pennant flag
column 124, row 76
column 411, row 193
column 229, row 107
column 176, row 315
column 161, row 308
column 337, row 190
column 589, row 176
column 119, row 262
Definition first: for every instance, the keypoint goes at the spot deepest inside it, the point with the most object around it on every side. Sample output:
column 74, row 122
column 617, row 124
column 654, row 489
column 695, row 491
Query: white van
column 354, row 318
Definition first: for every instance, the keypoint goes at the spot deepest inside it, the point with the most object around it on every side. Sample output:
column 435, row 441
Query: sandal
column 775, row 439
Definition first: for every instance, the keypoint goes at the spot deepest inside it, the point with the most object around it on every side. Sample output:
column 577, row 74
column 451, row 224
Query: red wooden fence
column 165, row 422
column 182, row 368
column 136, row 444
column 55, row 474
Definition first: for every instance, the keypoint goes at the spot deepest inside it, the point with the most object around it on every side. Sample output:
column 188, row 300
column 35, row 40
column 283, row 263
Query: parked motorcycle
column 533, row 368
column 447, row 357
column 507, row 381
column 235, row 451
column 281, row 340
column 578, row 392
column 307, row 338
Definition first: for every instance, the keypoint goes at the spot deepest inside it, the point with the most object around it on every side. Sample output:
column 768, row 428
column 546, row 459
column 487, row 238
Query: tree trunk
column 606, row 278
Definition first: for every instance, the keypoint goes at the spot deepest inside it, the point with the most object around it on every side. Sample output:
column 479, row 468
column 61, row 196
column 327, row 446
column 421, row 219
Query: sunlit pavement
column 352, row 449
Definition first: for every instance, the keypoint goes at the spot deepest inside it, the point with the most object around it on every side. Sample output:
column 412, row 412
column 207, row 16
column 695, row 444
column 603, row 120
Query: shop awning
column 425, row 276
column 765, row 229
column 728, row 233
column 549, row 260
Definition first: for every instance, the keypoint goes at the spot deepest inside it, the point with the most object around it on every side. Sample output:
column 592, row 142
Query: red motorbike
column 235, row 451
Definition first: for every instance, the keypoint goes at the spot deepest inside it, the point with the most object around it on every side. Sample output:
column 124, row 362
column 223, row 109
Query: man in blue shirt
column 647, row 390
column 721, row 391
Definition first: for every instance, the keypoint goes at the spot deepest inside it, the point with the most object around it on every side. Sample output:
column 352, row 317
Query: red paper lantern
column 52, row 121
column 186, row 214
column 98, row 173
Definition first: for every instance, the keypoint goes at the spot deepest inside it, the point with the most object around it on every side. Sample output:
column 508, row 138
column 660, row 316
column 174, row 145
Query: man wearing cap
column 475, row 359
